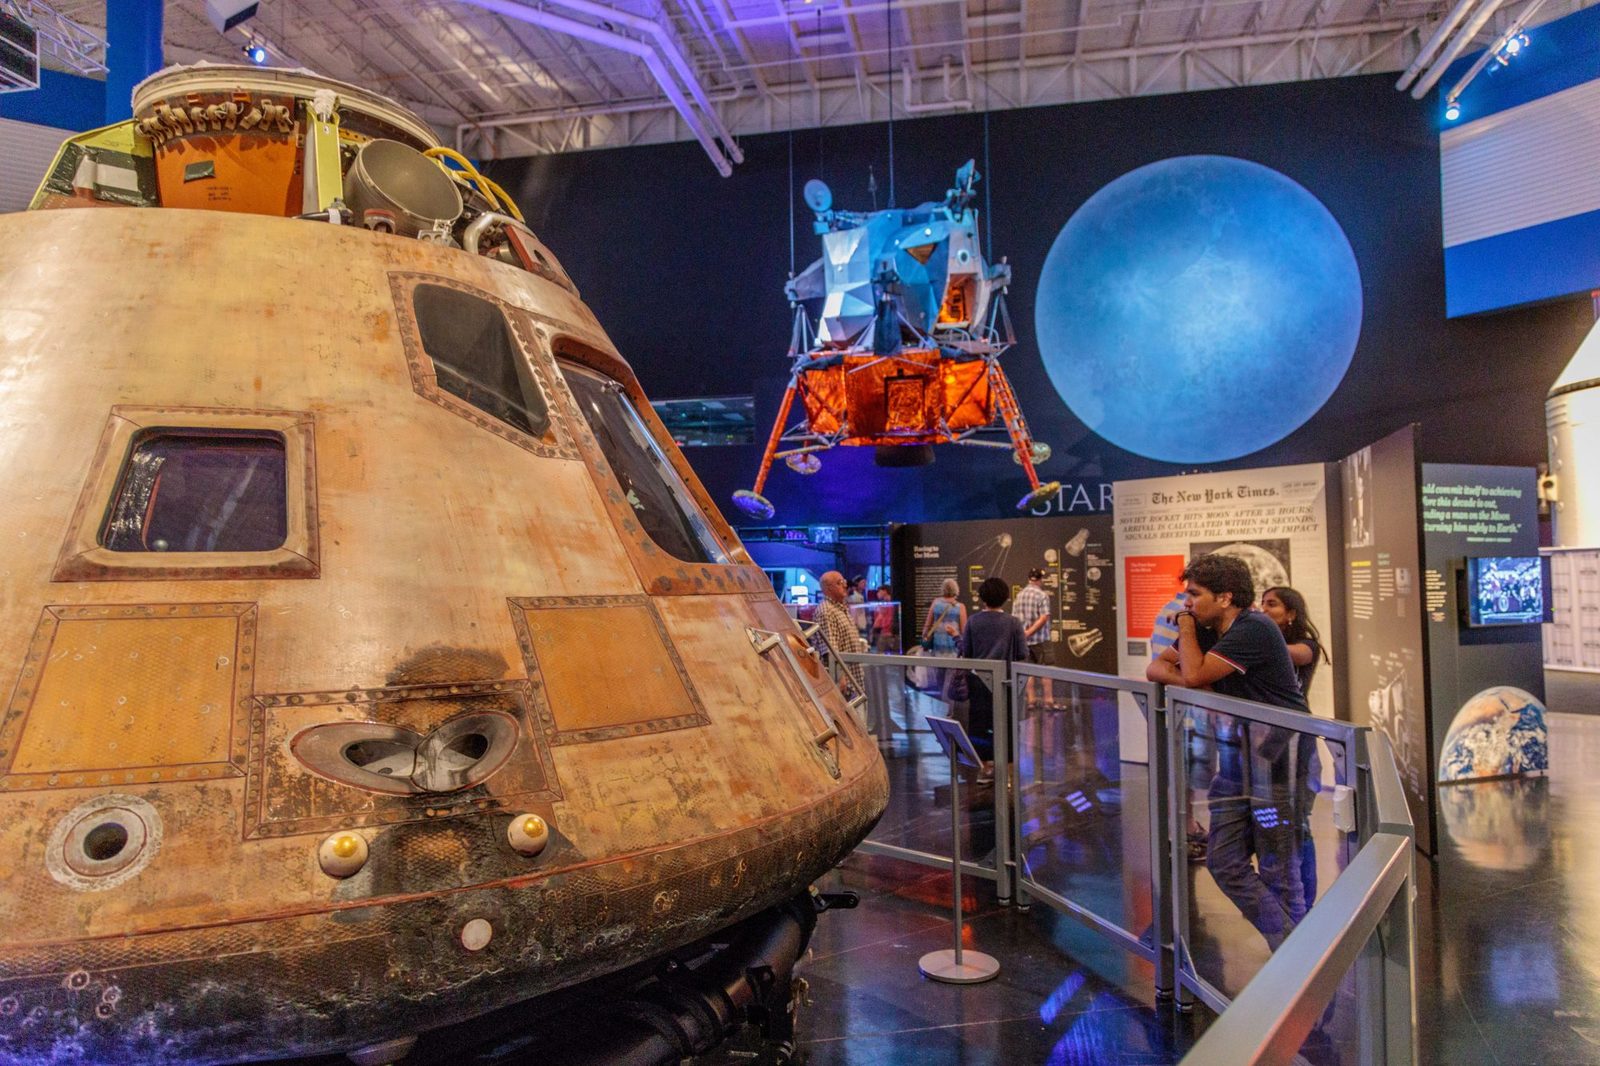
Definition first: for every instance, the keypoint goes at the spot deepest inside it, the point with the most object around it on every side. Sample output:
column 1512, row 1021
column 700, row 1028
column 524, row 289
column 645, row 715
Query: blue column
column 133, row 52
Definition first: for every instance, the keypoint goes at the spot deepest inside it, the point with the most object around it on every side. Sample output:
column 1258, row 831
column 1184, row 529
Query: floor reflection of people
column 1224, row 645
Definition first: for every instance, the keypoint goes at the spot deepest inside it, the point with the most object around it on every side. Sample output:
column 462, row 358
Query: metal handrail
column 1299, row 721
column 1392, row 813
column 1147, row 689
column 1269, row 1021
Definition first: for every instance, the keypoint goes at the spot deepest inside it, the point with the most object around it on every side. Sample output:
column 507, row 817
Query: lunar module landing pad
column 898, row 333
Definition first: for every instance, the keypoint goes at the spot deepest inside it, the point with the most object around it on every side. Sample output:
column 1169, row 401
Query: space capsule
column 374, row 659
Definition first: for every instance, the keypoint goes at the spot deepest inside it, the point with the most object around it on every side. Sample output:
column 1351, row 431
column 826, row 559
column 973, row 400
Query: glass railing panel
column 1083, row 812
column 900, row 699
column 1260, row 837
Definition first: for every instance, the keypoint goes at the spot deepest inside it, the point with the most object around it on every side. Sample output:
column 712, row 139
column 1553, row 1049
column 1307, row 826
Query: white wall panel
column 25, row 153
column 1534, row 163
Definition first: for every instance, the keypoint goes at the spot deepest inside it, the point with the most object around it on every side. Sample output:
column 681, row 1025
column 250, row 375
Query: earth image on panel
column 1198, row 309
column 1499, row 731
column 1266, row 570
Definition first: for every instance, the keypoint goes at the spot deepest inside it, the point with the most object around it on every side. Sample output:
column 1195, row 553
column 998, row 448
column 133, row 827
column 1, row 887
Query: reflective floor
column 1508, row 951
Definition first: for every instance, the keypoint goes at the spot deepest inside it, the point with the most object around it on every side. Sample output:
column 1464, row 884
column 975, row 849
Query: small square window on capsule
column 200, row 490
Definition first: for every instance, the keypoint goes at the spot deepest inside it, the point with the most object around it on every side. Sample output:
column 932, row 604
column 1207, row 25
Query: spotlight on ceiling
column 256, row 54
column 1452, row 111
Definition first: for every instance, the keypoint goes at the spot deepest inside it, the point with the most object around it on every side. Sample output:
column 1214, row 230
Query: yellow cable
column 479, row 182
column 505, row 197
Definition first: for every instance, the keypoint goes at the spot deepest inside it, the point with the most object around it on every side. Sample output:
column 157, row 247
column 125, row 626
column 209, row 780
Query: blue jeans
column 1260, row 823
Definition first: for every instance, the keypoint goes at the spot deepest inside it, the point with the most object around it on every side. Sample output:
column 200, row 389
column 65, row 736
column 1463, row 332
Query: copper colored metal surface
column 473, row 614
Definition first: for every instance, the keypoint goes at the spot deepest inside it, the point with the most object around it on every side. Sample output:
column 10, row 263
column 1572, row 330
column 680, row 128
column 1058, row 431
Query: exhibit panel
column 1487, row 593
column 1274, row 520
column 1075, row 555
column 1386, row 658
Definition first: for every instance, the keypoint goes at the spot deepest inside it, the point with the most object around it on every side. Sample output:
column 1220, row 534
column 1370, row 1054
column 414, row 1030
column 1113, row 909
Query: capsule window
column 476, row 357
column 660, row 500
column 197, row 494
column 200, row 490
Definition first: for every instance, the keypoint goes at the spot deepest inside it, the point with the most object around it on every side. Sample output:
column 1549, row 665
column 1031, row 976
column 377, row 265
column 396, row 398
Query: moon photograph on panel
column 1268, row 560
column 1198, row 309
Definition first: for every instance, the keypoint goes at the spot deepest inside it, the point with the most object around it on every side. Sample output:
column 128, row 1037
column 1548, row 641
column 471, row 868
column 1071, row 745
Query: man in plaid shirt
column 838, row 627
column 1032, row 609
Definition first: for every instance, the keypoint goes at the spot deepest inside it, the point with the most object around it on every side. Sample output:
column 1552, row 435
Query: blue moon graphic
column 1198, row 309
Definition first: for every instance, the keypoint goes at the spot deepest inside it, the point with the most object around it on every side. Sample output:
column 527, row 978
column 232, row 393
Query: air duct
column 611, row 39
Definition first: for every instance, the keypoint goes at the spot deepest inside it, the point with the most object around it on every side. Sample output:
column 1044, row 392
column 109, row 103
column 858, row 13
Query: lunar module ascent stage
column 905, row 354
column 373, row 659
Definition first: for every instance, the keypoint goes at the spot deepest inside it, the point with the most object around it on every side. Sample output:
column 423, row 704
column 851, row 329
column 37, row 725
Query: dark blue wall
column 686, row 269
column 64, row 101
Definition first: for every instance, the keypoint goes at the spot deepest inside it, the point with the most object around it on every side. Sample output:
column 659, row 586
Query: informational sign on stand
column 1074, row 552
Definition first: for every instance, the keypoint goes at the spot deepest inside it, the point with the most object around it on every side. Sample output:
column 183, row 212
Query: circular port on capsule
column 528, row 834
column 342, row 854
column 103, row 842
column 476, row 934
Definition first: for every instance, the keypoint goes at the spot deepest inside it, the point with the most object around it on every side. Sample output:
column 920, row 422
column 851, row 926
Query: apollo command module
column 375, row 658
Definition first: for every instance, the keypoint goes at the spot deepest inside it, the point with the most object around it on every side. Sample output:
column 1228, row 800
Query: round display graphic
column 1198, row 309
column 1266, row 570
column 1499, row 731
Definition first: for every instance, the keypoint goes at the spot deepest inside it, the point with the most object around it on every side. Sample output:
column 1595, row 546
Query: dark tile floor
column 1508, row 954
column 1508, row 913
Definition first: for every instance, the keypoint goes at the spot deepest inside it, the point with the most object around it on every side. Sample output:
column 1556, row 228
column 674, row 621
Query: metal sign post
column 957, row 967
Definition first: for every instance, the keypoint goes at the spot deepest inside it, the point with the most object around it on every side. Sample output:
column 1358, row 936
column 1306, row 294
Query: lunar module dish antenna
column 896, row 344
column 818, row 196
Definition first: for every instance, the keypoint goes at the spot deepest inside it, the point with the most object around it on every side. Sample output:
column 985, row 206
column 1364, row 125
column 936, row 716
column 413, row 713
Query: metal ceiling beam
column 668, row 45
column 1105, row 73
column 740, row 42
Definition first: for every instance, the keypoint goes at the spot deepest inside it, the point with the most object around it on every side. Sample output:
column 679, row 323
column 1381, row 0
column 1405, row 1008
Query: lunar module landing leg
column 1024, row 449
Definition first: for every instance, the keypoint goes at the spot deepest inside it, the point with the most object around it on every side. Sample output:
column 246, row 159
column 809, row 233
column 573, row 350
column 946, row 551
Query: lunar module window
column 200, row 490
column 476, row 358
column 660, row 500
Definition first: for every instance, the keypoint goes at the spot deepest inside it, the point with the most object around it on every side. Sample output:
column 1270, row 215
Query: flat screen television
column 1507, row 590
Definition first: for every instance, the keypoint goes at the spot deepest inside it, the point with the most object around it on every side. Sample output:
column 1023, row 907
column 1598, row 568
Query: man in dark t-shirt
column 1234, row 651
column 991, row 633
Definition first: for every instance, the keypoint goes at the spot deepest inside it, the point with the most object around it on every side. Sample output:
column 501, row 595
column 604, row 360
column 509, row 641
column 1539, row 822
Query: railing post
column 1178, row 857
column 1399, row 970
column 1370, row 967
column 1004, row 794
column 1161, row 842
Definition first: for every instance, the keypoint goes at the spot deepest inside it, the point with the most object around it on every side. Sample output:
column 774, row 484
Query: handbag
column 919, row 677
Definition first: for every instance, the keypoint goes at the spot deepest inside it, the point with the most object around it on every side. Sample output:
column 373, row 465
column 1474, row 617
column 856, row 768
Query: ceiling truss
column 511, row 77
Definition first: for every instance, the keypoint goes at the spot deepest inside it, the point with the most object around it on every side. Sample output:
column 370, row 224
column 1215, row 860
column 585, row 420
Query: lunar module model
column 910, row 324
column 373, row 659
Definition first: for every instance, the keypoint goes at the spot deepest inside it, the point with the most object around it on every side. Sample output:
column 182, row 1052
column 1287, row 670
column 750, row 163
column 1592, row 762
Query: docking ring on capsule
column 104, row 842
